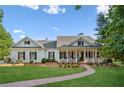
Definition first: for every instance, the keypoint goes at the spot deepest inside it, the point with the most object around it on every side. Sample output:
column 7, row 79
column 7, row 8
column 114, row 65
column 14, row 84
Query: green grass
column 104, row 77
column 12, row 74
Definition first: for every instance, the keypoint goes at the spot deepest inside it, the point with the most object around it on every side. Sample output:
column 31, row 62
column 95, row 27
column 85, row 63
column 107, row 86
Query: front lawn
column 12, row 74
column 103, row 77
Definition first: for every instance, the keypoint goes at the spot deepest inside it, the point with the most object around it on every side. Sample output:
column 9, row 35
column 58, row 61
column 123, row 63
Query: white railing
column 98, row 60
column 93, row 60
column 69, row 60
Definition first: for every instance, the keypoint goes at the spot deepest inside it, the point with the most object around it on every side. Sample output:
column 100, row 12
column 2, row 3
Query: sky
column 39, row 22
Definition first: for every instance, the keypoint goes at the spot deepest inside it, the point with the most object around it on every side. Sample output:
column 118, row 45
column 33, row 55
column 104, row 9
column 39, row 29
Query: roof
column 62, row 41
column 30, row 40
column 67, row 40
column 48, row 43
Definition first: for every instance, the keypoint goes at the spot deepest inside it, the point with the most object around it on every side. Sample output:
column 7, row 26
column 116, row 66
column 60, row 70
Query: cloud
column 22, row 36
column 19, row 31
column 34, row 7
column 54, row 9
column 55, row 28
column 102, row 9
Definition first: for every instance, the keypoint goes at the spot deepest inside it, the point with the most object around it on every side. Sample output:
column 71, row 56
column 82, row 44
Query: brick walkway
column 36, row 82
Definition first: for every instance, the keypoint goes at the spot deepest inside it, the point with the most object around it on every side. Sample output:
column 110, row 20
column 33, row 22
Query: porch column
column 96, row 55
column 67, row 55
column 93, row 56
column 58, row 56
column 76, row 56
column 84, row 56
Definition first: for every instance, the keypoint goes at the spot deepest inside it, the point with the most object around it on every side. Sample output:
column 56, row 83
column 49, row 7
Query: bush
column 65, row 65
column 72, row 63
column 101, row 64
column 73, row 66
column 77, row 66
column 97, row 64
column 69, row 65
column 31, row 61
column 19, row 61
column 106, row 61
column 109, row 60
column 7, row 60
column 44, row 60
column 90, row 63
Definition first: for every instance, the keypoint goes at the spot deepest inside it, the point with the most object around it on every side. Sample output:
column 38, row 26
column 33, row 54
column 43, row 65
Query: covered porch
column 79, row 54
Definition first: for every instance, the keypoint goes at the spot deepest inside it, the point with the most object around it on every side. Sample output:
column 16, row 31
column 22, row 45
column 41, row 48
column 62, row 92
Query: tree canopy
column 5, row 39
column 111, row 33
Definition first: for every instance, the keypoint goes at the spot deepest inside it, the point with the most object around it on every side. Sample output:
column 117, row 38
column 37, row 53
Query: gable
column 83, row 41
column 23, row 43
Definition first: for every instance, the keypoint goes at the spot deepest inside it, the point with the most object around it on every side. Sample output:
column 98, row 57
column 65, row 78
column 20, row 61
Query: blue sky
column 39, row 22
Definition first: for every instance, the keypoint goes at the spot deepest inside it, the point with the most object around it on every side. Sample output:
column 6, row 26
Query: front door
column 82, row 56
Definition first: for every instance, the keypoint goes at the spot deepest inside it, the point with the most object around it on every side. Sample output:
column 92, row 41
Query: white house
column 78, row 48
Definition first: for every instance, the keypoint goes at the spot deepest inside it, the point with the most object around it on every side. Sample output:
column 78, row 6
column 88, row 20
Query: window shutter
column 30, row 55
column 23, row 55
column 35, row 55
column 53, row 55
column 60, row 55
column 18, row 55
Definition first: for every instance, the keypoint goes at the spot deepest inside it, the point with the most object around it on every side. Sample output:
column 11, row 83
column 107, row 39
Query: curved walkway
column 36, row 82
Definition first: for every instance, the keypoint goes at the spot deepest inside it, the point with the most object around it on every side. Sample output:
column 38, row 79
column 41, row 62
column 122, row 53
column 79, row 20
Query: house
column 78, row 48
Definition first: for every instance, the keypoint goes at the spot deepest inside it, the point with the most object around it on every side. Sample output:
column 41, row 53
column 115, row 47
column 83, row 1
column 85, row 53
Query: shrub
column 97, row 64
column 44, row 60
column 77, row 66
column 53, row 60
column 20, row 61
column 73, row 66
column 106, row 61
column 36, row 62
column 101, row 64
column 90, row 63
column 109, row 60
column 69, row 65
column 7, row 60
column 31, row 61
column 65, row 65
column 17, row 61
column 78, row 63
column 72, row 63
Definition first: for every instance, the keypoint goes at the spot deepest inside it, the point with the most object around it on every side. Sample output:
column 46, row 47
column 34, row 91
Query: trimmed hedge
column 44, row 60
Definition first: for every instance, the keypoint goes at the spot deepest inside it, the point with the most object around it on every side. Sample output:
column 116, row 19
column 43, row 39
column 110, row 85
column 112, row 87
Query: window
column 33, row 55
column 51, row 55
column 80, row 43
column 21, row 55
column 97, row 54
column 62, row 55
column 27, row 42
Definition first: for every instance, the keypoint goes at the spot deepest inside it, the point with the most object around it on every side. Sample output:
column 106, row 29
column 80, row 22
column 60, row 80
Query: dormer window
column 27, row 42
column 80, row 43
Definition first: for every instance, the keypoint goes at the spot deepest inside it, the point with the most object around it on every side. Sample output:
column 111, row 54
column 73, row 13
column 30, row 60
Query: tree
column 5, row 39
column 112, row 33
